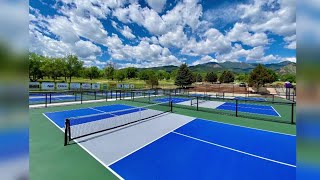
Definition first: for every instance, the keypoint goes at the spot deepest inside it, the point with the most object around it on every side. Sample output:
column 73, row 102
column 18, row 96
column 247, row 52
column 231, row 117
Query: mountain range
column 285, row 67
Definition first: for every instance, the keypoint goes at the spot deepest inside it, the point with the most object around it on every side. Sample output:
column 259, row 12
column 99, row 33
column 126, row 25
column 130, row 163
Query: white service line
column 225, row 147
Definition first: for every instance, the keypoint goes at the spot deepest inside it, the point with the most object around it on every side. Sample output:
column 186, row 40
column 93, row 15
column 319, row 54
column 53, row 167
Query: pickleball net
column 81, row 126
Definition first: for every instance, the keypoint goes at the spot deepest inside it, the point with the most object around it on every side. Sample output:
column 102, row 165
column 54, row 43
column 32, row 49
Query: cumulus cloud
column 157, row 5
column 240, row 32
column 81, row 27
column 143, row 53
column 175, row 38
column 213, row 42
column 203, row 60
column 125, row 31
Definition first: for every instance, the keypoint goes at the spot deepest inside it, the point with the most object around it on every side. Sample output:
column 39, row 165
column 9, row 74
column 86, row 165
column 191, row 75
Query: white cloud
column 175, row 38
column 85, row 49
column 281, row 21
column 291, row 42
column 157, row 5
column 203, row 60
column 212, row 42
column 239, row 32
column 143, row 53
column 126, row 31
column 184, row 13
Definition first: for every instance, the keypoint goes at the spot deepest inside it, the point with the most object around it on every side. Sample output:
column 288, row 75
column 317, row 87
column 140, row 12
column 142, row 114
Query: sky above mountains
column 148, row 33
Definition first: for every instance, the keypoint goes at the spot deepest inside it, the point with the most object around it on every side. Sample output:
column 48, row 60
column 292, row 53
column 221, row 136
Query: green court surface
column 49, row 159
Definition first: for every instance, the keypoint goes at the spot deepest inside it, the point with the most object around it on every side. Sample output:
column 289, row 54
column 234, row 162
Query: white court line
column 95, row 157
column 276, row 111
column 246, row 127
column 242, row 152
column 96, row 109
column 249, row 112
column 147, row 144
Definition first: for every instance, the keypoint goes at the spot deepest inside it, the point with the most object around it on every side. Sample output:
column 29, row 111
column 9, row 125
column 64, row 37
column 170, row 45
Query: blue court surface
column 200, row 149
column 59, row 117
column 250, row 98
column 250, row 108
column 205, row 149
column 38, row 99
column 174, row 100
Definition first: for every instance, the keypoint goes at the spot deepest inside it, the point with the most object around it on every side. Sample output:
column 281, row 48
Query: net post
column 133, row 94
column 95, row 95
column 75, row 96
column 292, row 113
column 66, row 132
column 236, row 107
column 197, row 103
column 149, row 94
column 171, row 106
column 50, row 98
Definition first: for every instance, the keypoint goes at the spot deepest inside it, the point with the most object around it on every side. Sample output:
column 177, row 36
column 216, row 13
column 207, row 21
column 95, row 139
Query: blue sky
column 147, row 33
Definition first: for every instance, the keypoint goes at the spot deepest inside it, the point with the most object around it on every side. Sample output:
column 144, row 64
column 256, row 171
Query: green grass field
column 49, row 159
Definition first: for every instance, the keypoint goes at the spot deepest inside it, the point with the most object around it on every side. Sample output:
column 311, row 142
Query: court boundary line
column 275, row 132
column 148, row 143
column 276, row 111
column 248, row 112
column 86, row 107
column 235, row 150
column 91, row 154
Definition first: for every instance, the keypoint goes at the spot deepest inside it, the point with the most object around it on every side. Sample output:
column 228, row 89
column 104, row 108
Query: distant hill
column 285, row 67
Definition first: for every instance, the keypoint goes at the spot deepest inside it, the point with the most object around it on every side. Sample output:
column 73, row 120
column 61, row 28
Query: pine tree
column 211, row 77
column 184, row 76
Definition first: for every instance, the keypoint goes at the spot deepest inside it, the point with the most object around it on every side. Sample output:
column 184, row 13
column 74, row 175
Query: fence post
column 81, row 96
column 236, row 107
column 272, row 98
column 197, row 103
column 106, row 95
column 46, row 100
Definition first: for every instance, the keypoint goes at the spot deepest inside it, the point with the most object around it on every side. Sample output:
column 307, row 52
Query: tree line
column 70, row 66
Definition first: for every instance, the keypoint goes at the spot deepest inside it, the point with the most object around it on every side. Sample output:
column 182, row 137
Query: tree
column 198, row 78
column 131, row 72
column 56, row 65
column 153, row 81
column 92, row 72
column 211, row 77
column 73, row 66
column 161, row 74
column 109, row 71
column 242, row 77
column 289, row 77
column 184, row 76
column 120, row 75
column 272, row 76
column 226, row 77
column 260, row 75
column 168, row 76
column 145, row 74
column 35, row 72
